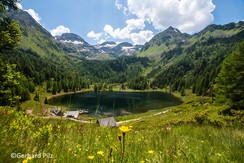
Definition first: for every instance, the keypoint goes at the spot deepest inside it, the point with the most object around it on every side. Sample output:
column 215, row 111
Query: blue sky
column 135, row 21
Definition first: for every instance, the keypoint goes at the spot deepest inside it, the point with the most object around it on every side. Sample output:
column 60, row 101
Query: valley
column 188, row 90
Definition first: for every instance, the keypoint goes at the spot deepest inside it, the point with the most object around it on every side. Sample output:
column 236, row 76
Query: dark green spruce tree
column 10, row 89
column 229, row 85
column 9, row 30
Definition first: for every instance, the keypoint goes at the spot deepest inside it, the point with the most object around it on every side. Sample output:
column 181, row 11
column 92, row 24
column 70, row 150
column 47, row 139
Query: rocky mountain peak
column 71, row 38
column 172, row 30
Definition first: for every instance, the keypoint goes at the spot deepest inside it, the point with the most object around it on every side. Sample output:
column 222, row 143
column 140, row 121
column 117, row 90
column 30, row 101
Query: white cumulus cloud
column 58, row 31
column 127, row 32
column 121, row 7
column 93, row 35
column 124, row 33
column 141, row 37
column 186, row 15
column 35, row 15
column 108, row 29
column 101, row 41
column 118, row 5
column 135, row 24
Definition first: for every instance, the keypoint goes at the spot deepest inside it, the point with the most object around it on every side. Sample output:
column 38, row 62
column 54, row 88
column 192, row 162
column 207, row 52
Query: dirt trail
column 71, row 119
column 141, row 118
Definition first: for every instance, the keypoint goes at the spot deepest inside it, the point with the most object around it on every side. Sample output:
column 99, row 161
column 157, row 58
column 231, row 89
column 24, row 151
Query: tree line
column 198, row 67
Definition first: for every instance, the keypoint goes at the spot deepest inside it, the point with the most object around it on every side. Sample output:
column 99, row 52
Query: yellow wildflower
column 179, row 153
column 90, row 157
column 124, row 129
column 112, row 160
column 100, row 153
column 26, row 160
column 150, row 151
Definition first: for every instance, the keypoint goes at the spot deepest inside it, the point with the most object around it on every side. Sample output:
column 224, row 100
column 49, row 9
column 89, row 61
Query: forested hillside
column 196, row 64
column 38, row 59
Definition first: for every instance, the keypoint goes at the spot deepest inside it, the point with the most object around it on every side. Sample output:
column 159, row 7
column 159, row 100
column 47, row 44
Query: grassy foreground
column 196, row 131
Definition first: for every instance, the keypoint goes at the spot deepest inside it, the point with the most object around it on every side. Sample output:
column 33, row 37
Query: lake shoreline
column 91, row 90
column 67, row 93
column 133, row 102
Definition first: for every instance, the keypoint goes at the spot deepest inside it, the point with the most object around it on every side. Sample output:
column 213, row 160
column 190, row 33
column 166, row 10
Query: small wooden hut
column 107, row 122
column 72, row 114
column 56, row 112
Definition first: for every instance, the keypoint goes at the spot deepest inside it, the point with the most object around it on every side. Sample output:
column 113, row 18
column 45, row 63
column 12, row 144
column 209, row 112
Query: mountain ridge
column 195, row 64
column 34, row 33
column 75, row 45
column 172, row 38
column 162, row 42
column 180, row 61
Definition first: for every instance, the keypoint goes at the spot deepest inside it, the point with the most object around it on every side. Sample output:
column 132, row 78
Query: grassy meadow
column 196, row 131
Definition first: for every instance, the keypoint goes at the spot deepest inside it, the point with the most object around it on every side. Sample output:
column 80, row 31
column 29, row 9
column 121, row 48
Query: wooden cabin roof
column 107, row 122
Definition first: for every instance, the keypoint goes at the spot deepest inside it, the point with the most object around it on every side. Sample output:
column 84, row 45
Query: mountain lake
column 115, row 103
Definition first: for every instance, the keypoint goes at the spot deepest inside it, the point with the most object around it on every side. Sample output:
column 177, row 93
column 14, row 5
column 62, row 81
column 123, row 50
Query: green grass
column 195, row 131
column 153, row 52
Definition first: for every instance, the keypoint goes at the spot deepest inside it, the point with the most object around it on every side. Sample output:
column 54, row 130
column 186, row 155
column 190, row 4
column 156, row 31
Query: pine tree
column 229, row 83
column 95, row 88
column 36, row 98
column 123, row 86
column 10, row 84
column 9, row 30
column 182, row 92
column 48, row 87
column 8, row 5
column 55, row 88
column 46, row 101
